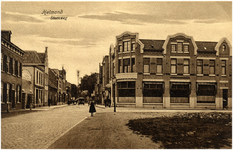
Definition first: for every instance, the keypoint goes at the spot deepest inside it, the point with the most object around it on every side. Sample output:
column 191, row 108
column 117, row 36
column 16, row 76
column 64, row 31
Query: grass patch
column 189, row 130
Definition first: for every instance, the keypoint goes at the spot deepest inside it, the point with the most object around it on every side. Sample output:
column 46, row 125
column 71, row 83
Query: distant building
column 53, row 87
column 175, row 73
column 36, row 64
column 11, row 73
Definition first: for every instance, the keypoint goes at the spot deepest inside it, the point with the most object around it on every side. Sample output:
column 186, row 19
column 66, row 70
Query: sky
column 80, row 41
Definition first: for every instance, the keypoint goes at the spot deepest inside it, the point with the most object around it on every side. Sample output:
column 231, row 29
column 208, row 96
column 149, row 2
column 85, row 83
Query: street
column 71, row 127
column 39, row 129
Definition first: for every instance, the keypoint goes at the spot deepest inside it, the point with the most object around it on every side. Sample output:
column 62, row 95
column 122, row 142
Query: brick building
column 53, row 87
column 36, row 64
column 175, row 73
column 11, row 73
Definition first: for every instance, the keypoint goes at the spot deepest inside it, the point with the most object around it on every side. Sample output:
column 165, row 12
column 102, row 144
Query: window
column 146, row 63
column 2, row 85
column 16, row 68
column 133, row 65
column 199, row 66
column 173, row 48
column 8, row 64
column 7, row 92
column 153, row 89
column 126, row 89
column 18, row 94
column 186, row 48
column 37, row 77
column 159, row 65
column 126, row 64
column 186, row 66
column 212, row 68
column 173, row 65
column 120, row 48
column 133, row 46
column 223, row 65
column 126, row 46
column 224, row 48
column 2, row 61
column 13, row 65
column 119, row 66
column 179, row 47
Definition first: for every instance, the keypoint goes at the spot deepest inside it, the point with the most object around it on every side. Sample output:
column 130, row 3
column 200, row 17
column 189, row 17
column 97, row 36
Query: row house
column 61, row 86
column 53, row 87
column 35, row 75
column 175, row 73
column 11, row 73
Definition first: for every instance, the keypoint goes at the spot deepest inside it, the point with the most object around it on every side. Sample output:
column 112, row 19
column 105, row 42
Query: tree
column 88, row 83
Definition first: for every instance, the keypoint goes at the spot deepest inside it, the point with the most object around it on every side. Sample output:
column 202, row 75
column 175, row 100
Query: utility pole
column 78, row 76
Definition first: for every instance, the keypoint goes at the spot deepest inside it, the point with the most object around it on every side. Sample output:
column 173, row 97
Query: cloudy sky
column 81, row 41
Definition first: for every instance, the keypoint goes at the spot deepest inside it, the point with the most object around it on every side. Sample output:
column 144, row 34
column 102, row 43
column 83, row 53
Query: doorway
column 225, row 97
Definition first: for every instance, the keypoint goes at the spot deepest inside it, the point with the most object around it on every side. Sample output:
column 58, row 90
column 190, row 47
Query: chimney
column 6, row 34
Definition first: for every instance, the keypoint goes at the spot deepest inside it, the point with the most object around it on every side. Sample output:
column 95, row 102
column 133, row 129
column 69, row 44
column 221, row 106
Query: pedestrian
column 92, row 108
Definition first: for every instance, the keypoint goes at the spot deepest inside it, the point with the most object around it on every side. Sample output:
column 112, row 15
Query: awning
column 206, row 83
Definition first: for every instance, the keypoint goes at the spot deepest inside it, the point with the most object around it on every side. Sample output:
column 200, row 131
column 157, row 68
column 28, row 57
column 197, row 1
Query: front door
column 225, row 97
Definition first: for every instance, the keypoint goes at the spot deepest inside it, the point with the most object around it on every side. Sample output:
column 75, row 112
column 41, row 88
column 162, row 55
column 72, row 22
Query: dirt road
column 106, row 131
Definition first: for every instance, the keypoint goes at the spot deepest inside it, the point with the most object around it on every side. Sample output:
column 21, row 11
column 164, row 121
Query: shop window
column 186, row 66
column 223, row 66
column 206, row 90
column 159, row 65
column 186, row 48
column 199, row 66
column 212, row 67
column 153, row 90
column 126, row 89
column 146, row 64
column 173, row 66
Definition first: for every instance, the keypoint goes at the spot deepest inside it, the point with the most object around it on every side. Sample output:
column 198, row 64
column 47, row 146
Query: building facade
column 36, row 64
column 11, row 73
column 175, row 73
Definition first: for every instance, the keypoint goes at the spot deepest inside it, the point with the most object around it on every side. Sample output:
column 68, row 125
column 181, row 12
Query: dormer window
column 179, row 47
column 173, row 48
column 186, row 48
column 224, row 48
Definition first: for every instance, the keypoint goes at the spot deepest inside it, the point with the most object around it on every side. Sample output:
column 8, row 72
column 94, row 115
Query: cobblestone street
column 37, row 130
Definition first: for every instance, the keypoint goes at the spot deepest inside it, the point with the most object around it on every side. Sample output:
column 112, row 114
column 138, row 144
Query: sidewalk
column 27, row 110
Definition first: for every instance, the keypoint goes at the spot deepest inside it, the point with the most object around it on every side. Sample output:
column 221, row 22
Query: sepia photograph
column 116, row 74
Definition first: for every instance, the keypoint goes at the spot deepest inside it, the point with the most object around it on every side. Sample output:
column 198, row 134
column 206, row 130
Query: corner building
column 176, row 73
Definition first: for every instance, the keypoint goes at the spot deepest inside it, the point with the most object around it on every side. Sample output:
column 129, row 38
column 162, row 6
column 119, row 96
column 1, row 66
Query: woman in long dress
column 92, row 108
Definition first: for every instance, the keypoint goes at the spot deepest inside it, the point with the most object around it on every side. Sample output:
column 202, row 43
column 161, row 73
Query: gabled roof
column 152, row 44
column 31, row 57
column 42, row 57
column 206, row 46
